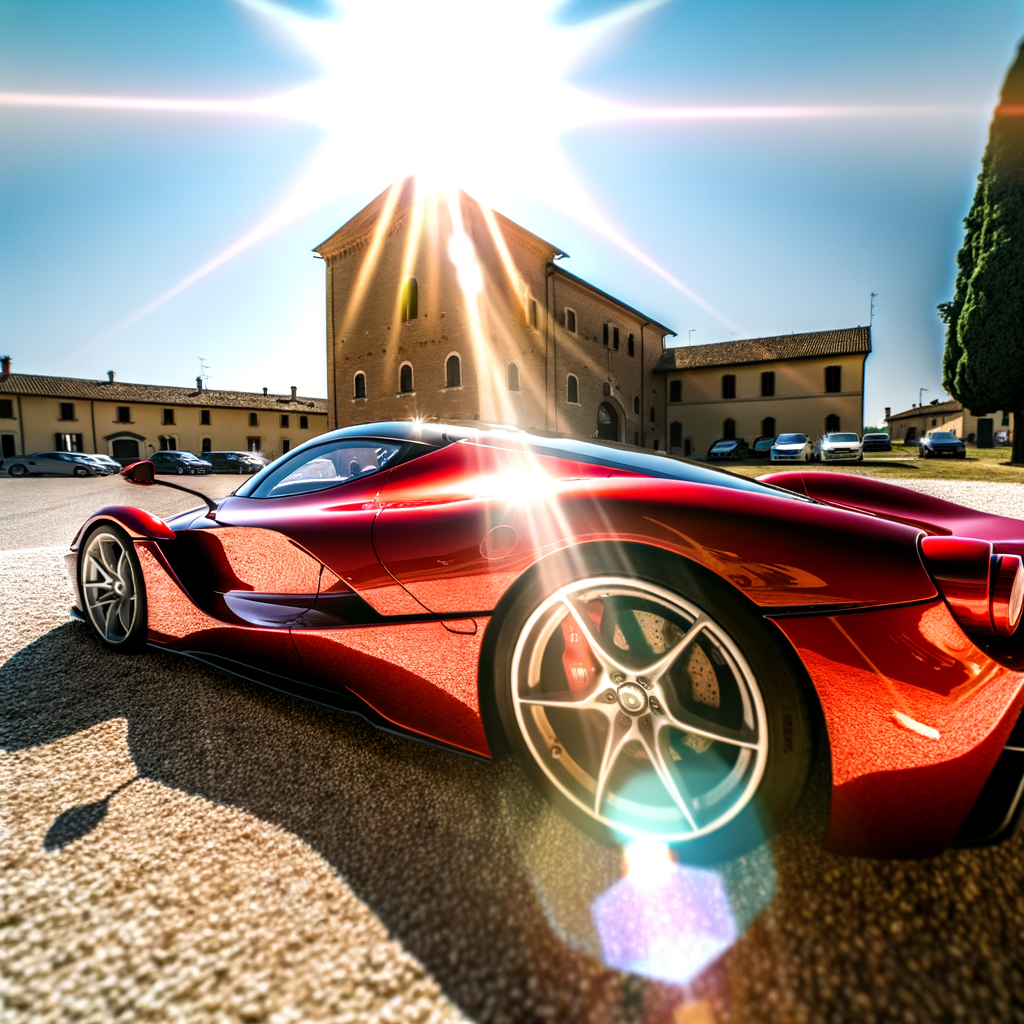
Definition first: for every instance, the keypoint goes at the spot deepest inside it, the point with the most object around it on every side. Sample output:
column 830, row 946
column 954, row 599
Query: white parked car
column 838, row 448
column 792, row 448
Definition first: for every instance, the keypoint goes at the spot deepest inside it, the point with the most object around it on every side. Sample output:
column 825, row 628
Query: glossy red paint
column 1007, row 593
column 961, row 568
column 916, row 717
column 138, row 523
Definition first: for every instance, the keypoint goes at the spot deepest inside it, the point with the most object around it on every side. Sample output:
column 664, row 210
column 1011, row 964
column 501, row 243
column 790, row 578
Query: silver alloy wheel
column 640, row 738
column 108, row 586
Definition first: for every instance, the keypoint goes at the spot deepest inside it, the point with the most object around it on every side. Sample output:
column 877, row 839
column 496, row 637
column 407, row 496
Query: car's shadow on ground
column 461, row 860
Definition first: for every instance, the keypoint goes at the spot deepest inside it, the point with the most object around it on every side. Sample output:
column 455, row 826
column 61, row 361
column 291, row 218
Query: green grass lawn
column 902, row 462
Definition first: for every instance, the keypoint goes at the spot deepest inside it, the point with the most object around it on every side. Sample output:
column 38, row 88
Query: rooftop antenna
column 920, row 392
column 871, row 319
column 690, row 334
column 203, row 367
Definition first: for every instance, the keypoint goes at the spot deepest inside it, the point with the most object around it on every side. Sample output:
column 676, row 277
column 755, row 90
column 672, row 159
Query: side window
column 323, row 466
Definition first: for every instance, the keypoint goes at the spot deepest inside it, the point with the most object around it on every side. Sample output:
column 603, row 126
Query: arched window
column 405, row 378
column 607, row 422
column 729, row 428
column 636, row 405
column 513, row 377
column 359, row 385
column 570, row 320
column 572, row 389
column 768, row 426
column 453, row 371
column 410, row 300
column 831, row 424
column 631, row 344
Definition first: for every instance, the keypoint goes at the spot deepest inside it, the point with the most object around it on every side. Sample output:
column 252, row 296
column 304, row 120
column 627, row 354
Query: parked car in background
column 101, row 460
column 941, row 444
column 180, row 463
column 876, row 442
column 761, row 448
column 235, row 462
column 1002, row 439
column 53, row 464
column 838, row 448
column 734, row 448
column 792, row 448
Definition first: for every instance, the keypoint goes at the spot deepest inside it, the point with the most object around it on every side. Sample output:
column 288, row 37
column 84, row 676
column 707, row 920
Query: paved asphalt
column 176, row 844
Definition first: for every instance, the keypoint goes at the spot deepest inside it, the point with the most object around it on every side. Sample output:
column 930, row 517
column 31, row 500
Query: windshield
column 761, row 446
column 942, row 435
column 724, row 446
column 791, row 439
column 844, row 438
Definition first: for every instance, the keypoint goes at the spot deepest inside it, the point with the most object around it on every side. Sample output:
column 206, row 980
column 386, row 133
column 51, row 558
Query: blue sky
column 778, row 225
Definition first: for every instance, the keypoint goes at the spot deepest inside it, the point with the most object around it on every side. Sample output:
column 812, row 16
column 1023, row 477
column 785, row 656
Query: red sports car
column 664, row 645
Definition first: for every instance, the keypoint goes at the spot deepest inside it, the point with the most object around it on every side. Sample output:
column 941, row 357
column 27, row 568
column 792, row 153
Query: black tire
column 119, row 630
column 181, row 471
column 81, row 471
column 765, row 665
column 18, row 470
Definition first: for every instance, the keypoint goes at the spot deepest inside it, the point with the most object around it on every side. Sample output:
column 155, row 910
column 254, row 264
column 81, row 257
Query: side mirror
column 140, row 473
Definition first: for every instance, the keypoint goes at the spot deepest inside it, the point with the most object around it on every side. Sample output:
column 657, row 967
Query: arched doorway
column 607, row 422
column 125, row 449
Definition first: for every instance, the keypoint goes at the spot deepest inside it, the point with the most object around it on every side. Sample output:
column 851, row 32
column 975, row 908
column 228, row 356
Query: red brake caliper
column 580, row 667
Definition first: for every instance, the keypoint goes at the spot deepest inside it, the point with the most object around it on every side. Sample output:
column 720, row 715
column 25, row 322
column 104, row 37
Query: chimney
column 294, row 389
column 110, row 376
column 264, row 391
column 199, row 383
column 5, row 368
column 888, row 412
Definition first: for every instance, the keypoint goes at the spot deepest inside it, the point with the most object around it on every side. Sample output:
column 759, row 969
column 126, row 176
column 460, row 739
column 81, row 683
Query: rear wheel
column 18, row 471
column 650, row 702
column 81, row 471
column 112, row 587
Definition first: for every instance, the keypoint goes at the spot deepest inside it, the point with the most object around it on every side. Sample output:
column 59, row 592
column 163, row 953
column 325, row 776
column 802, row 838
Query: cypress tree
column 983, row 365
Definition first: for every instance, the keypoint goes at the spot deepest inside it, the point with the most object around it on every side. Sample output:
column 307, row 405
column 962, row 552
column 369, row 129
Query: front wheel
column 648, row 701
column 112, row 587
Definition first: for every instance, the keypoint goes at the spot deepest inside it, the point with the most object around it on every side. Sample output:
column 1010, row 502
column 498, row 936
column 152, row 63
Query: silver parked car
column 53, row 464
column 103, row 460
column 792, row 448
column 838, row 447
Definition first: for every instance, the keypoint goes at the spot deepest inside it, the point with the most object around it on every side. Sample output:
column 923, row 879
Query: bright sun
column 457, row 92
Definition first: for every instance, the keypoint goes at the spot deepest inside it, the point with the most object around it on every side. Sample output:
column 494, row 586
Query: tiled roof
column 928, row 410
column 849, row 341
column 155, row 394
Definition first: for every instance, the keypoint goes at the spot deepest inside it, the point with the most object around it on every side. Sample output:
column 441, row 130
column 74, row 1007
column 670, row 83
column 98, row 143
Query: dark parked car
column 877, row 443
column 941, row 443
column 734, row 448
column 180, row 463
column 761, row 448
column 235, row 462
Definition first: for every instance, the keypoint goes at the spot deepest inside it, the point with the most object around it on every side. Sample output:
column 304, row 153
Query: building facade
column 439, row 307
column 801, row 383
column 131, row 421
column 985, row 431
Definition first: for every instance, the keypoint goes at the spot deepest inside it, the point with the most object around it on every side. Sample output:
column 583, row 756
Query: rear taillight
column 984, row 591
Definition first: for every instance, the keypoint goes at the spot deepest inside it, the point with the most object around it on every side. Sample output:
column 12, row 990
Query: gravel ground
column 176, row 844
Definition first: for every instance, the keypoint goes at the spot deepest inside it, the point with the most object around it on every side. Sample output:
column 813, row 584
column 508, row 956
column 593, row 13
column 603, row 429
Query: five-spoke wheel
column 110, row 582
column 643, row 711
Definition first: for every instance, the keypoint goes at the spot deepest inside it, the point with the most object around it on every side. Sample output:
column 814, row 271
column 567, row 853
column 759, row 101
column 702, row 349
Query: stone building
column 985, row 431
column 439, row 307
column 807, row 383
column 131, row 421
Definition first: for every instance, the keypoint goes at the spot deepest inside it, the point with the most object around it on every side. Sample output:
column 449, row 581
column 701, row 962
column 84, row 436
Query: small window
column 303, row 423
column 67, row 411
column 168, row 418
column 7, row 410
column 513, row 377
column 359, row 385
column 252, row 444
column 410, row 300
column 207, row 445
column 831, row 423
column 653, row 414
column 729, row 428
column 768, row 383
column 204, row 418
column 69, row 443
column 675, row 391
column 254, row 421
column 615, row 338
column 570, row 320
column 768, row 426
column 729, row 385
column 453, row 372
column 606, row 335
column 286, row 445
column 833, row 379
column 533, row 312
column 1006, row 420
column 405, row 378
column 630, row 344
column 167, row 443
column 572, row 389
column 124, row 414
column 636, row 405
column 284, row 420
column 675, row 435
